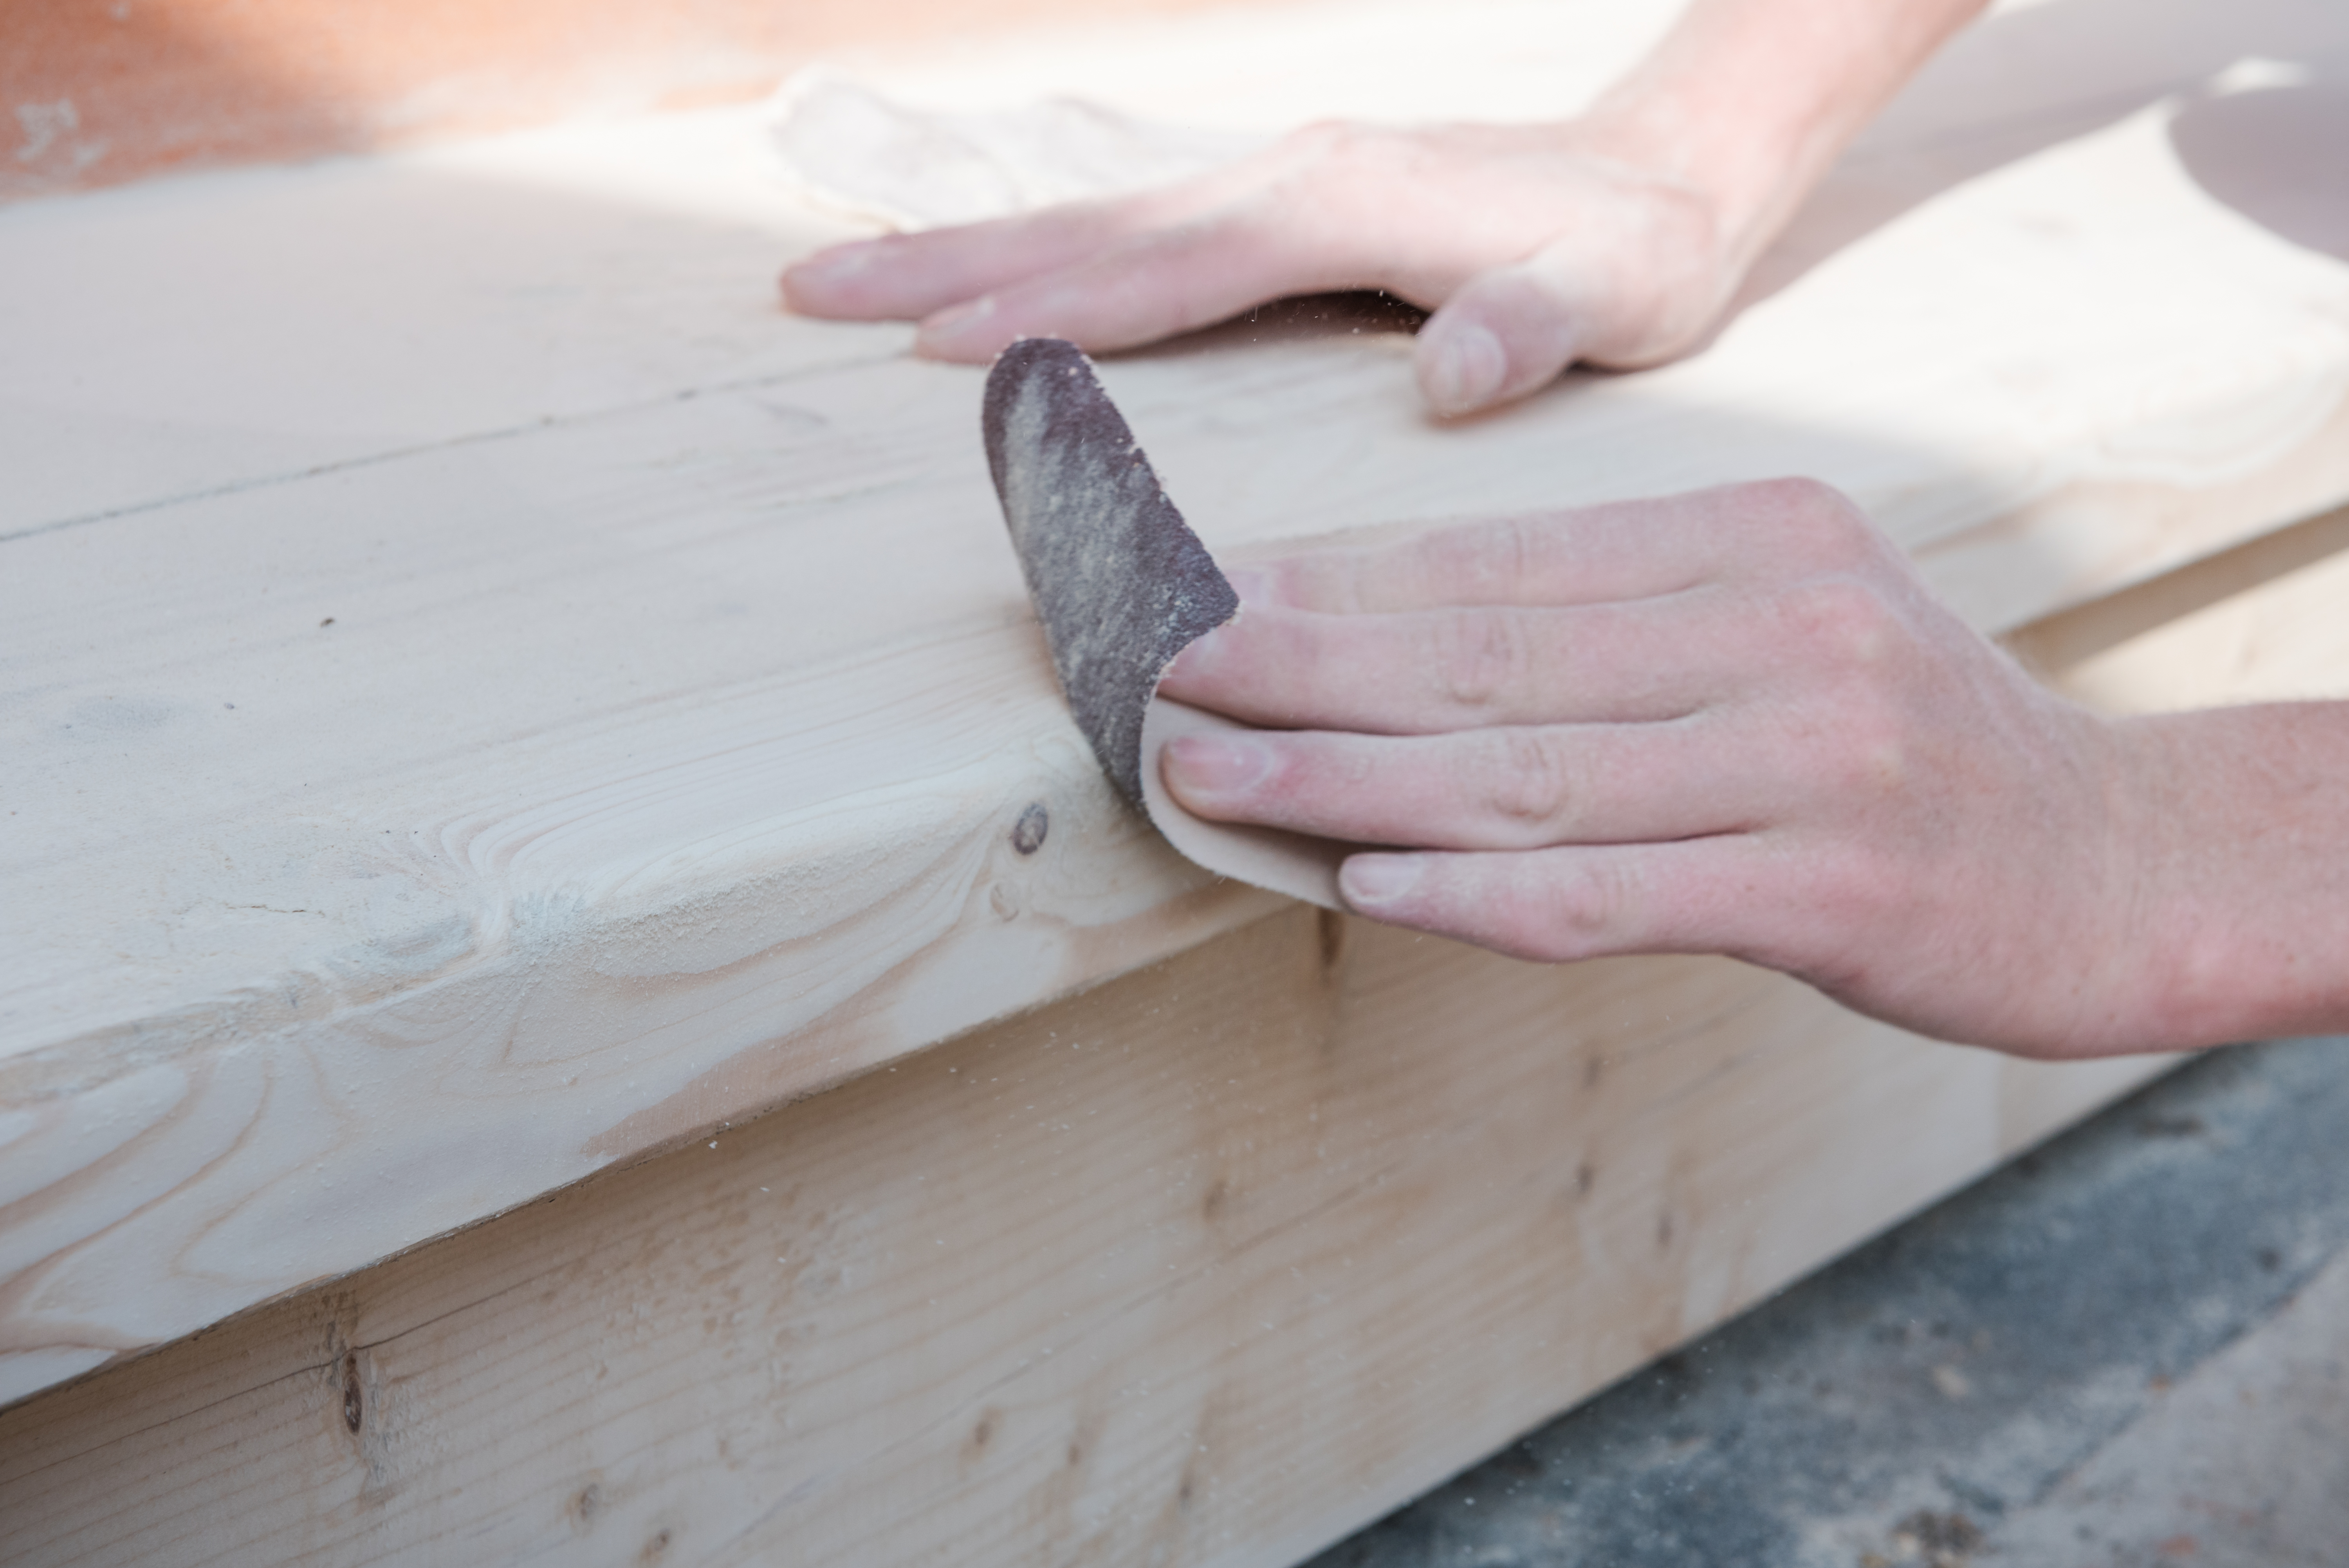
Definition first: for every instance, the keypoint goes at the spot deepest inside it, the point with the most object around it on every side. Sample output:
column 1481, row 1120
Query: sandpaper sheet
column 1123, row 584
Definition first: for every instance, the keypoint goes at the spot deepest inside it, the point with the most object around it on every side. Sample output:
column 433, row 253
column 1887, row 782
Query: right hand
column 1733, row 721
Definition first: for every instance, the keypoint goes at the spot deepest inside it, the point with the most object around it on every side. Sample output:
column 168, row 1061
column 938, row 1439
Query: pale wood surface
column 2266, row 622
column 1209, row 1266
column 660, row 761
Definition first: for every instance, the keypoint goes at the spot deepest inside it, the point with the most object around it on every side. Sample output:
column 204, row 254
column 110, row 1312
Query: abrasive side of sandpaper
column 1120, row 582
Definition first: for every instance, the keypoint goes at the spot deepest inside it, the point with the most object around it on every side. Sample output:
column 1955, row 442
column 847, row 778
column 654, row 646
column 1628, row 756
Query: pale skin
column 1615, row 238
column 1730, row 723
column 1736, row 722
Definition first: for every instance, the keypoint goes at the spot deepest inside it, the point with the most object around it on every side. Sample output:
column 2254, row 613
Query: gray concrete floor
column 2131, row 1346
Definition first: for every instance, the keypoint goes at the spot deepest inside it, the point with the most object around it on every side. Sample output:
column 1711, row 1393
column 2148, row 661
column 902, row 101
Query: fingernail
column 1466, row 370
column 1378, row 878
column 1217, row 764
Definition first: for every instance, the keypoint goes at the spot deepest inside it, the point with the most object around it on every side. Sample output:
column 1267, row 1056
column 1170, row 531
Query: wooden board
column 2260, row 623
column 1211, row 1264
column 1207, row 1266
column 487, row 698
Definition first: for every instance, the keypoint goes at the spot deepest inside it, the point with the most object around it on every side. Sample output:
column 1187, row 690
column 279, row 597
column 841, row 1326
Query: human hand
column 1731, row 721
column 1617, row 238
column 1535, row 247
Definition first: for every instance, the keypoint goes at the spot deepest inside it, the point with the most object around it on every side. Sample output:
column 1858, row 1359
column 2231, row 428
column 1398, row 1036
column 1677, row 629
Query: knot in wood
column 1028, row 833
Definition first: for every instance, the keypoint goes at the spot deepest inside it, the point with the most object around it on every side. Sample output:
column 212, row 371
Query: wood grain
column 1207, row 1265
column 487, row 698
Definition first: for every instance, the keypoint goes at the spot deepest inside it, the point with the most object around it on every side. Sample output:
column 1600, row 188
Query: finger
column 903, row 277
column 1149, row 287
column 1426, row 671
column 1558, row 905
column 908, row 276
column 1509, row 331
column 1501, row 789
column 1622, row 550
column 1627, row 286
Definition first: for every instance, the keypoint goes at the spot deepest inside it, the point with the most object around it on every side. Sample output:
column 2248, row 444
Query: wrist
column 1748, row 186
column 2242, row 872
column 1747, row 103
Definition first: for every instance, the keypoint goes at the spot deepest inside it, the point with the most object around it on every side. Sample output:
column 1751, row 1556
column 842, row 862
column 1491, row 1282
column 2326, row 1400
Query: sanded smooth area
column 1207, row 1266
column 486, row 697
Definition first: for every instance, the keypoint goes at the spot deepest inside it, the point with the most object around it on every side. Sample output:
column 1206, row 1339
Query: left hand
column 1733, row 721
column 1535, row 245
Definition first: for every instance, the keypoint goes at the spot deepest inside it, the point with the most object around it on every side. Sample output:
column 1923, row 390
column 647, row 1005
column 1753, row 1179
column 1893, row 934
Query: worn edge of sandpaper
column 1123, row 584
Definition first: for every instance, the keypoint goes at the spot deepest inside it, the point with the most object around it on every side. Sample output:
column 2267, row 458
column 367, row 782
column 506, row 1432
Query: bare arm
column 1751, row 100
column 1736, row 722
column 1616, row 237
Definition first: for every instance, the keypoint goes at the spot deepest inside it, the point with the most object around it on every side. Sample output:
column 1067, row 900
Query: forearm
column 1749, row 101
column 2244, row 887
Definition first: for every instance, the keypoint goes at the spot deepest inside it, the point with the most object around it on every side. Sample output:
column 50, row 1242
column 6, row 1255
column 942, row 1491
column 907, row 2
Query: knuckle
column 1841, row 623
column 1481, row 658
column 1308, row 582
column 1874, row 753
column 1811, row 524
column 1530, row 785
column 1585, row 912
column 1497, row 555
column 1503, row 553
column 1857, row 749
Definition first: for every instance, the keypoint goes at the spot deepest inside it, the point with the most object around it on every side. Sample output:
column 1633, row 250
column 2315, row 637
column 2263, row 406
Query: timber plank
column 1208, row 1264
column 1211, row 1264
column 1203, row 1266
column 659, row 763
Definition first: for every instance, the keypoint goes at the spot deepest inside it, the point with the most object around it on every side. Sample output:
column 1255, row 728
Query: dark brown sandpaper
column 1119, row 579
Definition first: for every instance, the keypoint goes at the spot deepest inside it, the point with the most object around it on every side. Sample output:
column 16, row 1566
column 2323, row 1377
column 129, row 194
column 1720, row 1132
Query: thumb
column 1506, row 332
